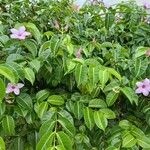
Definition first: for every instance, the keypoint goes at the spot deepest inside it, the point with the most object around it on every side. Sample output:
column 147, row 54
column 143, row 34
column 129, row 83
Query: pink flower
column 147, row 5
column 143, row 87
column 14, row 88
column 148, row 53
column 20, row 33
column 78, row 54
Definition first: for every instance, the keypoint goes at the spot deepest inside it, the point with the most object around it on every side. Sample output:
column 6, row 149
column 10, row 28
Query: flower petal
column 20, row 85
column 14, row 31
column 14, row 36
column 145, row 92
column 146, row 82
column 22, row 29
column 17, row 91
column 26, row 33
column 139, row 90
column 139, row 84
column 22, row 37
column 9, row 88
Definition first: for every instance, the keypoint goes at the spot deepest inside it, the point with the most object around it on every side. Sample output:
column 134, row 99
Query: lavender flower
column 147, row 5
column 143, row 87
column 20, row 33
column 14, row 88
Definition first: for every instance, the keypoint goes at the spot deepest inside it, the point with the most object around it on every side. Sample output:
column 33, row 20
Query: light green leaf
column 2, row 144
column 130, row 94
column 8, row 125
column 41, row 109
column 97, row 103
column 35, row 64
column 100, row 120
column 64, row 140
column 144, row 142
column 29, row 75
column 45, row 141
column 24, row 101
column 2, row 90
column 88, row 118
column 56, row 100
column 44, row 47
column 42, row 95
column 128, row 140
column 125, row 124
column 114, row 73
column 8, row 73
column 34, row 31
column 67, row 126
column 81, row 74
column 103, row 77
column 78, row 110
column 109, row 114
column 111, row 98
column 141, row 51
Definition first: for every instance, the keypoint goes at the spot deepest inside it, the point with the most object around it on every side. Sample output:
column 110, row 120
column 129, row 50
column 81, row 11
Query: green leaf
column 24, row 101
column 100, row 120
column 81, row 74
column 128, row 140
column 17, row 69
column 109, row 114
column 41, row 109
column 14, row 57
column 93, row 74
column 97, row 103
column 141, row 51
column 64, row 140
column 2, row 90
column 111, row 98
column 29, row 75
column 56, row 100
column 47, row 127
column 78, row 110
column 35, row 64
column 42, row 95
column 44, row 47
column 144, row 142
column 88, row 118
column 125, row 124
column 46, row 141
column 103, row 77
column 136, row 132
column 35, row 32
column 130, row 94
column 114, row 73
column 31, row 46
column 8, row 125
column 8, row 73
column 2, row 144
column 67, row 126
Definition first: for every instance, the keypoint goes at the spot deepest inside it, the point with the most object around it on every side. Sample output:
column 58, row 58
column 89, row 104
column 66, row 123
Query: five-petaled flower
column 143, row 87
column 14, row 88
column 20, row 34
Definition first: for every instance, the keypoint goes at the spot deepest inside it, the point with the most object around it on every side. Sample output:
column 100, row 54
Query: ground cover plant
column 74, row 78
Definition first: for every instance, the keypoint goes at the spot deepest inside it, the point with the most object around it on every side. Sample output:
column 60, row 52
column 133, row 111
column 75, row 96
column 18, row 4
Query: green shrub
column 74, row 78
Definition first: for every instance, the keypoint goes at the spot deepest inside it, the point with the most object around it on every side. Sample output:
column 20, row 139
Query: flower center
column 143, row 86
column 13, row 87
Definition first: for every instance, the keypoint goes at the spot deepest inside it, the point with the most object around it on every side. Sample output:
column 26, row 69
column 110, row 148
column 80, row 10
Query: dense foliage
column 74, row 78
